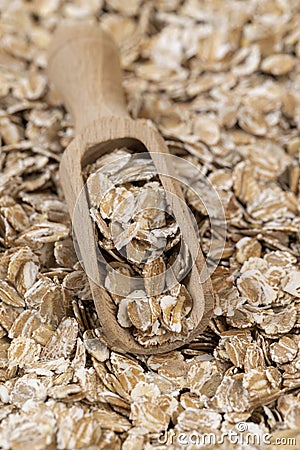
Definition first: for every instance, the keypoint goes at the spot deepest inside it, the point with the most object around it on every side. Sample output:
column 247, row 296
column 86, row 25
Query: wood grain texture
column 100, row 129
column 84, row 66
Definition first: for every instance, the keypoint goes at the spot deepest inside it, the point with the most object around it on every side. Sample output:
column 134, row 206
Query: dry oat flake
column 221, row 81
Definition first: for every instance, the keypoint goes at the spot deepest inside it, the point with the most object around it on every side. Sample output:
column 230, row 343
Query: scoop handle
column 84, row 66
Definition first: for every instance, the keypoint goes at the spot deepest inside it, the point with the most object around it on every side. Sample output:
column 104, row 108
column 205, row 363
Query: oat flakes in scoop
column 141, row 244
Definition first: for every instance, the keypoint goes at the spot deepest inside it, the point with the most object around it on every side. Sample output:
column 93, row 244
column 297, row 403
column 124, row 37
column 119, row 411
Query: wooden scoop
column 84, row 66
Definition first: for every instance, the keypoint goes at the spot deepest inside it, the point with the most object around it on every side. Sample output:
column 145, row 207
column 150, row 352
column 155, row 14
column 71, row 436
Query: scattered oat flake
column 9, row 295
column 279, row 64
column 23, row 351
column 207, row 130
column 291, row 283
column 221, row 85
column 284, row 350
column 278, row 323
column 63, row 341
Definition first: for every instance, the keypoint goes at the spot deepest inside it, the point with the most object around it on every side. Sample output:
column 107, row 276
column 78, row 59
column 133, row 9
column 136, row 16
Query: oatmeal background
column 221, row 79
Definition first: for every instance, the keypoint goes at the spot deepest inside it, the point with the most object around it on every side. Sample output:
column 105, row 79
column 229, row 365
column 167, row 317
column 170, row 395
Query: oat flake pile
column 221, row 79
column 134, row 227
